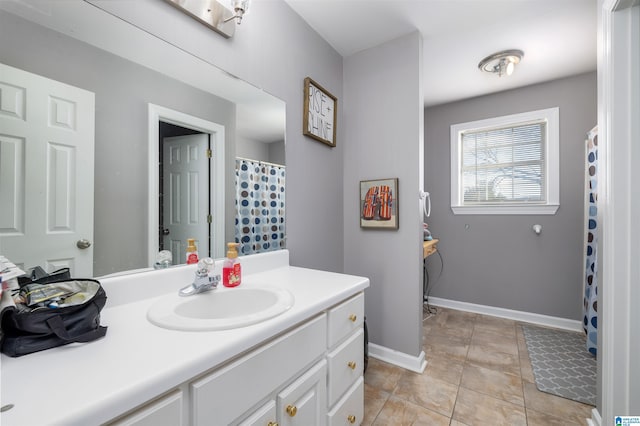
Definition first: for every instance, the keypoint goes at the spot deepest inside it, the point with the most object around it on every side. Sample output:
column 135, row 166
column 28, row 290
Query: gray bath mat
column 561, row 363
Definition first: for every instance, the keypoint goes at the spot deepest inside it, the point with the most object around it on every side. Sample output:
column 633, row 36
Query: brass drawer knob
column 292, row 410
column 352, row 365
column 353, row 317
column 351, row 419
column 272, row 424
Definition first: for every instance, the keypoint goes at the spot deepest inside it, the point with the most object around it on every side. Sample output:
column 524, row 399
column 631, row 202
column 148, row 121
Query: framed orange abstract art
column 379, row 203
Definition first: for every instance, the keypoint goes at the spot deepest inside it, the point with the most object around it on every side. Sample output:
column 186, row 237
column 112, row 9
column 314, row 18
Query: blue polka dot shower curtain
column 260, row 206
column 590, row 305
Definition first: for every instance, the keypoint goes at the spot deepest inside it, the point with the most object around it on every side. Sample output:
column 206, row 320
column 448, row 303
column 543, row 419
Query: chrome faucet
column 204, row 279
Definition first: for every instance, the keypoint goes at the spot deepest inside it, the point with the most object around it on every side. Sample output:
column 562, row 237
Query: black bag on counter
column 38, row 275
column 53, row 314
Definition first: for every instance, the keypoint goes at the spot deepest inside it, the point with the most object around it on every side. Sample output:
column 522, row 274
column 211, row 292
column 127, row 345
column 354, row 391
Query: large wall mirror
column 148, row 94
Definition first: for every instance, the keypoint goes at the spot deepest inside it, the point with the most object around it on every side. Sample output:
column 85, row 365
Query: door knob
column 83, row 244
column 165, row 231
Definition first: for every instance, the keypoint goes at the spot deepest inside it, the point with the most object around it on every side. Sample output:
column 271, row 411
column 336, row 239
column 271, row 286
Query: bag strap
column 40, row 276
column 57, row 326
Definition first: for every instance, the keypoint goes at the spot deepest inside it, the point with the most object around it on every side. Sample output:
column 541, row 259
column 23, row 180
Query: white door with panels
column 185, row 194
column 46, row 172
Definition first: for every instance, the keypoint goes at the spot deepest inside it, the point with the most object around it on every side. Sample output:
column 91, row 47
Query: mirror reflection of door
column 185, row 170
column 46, row 172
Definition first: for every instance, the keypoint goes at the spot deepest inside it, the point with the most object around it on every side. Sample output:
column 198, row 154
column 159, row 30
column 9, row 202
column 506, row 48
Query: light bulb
column 240, row 7
column 510, row 67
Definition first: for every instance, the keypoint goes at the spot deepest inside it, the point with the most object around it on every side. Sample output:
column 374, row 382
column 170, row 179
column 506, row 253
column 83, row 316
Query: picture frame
column 379, row 207
column 320, row 113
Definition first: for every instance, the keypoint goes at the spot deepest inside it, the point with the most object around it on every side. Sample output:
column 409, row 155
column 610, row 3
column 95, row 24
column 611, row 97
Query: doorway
column 184, row 207
column 619, row 104
column 186, row 198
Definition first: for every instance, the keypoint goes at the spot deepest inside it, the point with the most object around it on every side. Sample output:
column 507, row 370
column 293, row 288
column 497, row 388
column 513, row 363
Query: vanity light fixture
column 214, row 14
column 240, row 7
column 501, row 63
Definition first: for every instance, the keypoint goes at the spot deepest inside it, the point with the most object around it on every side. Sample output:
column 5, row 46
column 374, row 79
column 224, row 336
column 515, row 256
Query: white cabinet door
column 304, row 402
column 263, row 416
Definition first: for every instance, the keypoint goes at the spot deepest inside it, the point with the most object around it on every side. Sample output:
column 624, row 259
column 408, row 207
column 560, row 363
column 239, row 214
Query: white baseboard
column 595, row 419
column 546, row 320
column 413, row 363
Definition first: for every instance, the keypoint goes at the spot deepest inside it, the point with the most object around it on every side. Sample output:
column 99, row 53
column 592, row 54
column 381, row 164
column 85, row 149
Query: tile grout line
column 464, row 364
column 380, row 410
column 522, row 381
column 455, row 402
column 524, row 401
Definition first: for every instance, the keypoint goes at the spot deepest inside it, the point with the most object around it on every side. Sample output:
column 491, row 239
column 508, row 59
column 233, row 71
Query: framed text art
column 379, row 203
column 319, row 114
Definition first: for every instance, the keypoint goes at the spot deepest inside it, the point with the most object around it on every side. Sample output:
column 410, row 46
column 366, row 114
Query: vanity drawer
column 344, row 319
column 350, row 410
column 225, row 394
column 345, row 366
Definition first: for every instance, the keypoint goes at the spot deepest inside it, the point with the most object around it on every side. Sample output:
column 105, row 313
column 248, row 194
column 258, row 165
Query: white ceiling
column 558, row 37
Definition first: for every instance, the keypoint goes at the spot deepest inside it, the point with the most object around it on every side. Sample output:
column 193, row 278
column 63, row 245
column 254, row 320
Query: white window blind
column 507, row 165
column 504, row 165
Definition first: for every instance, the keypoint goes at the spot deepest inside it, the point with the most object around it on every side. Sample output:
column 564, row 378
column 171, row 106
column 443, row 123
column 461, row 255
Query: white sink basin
column 220, row 309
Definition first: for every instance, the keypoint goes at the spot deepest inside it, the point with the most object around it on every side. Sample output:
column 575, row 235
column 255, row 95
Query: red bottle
column 231, row 271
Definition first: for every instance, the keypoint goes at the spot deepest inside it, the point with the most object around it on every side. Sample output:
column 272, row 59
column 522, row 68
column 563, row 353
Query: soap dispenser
column 192, row 251
column 231, row 273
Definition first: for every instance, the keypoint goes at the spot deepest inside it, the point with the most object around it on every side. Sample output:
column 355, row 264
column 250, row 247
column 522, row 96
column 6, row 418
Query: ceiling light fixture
column 501, row 63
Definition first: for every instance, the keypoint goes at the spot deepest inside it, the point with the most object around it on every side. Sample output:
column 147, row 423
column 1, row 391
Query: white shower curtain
column 590, row 303
column 260, row 206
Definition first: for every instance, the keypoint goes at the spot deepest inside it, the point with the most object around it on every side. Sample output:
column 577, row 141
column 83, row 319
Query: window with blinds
column 506, row 165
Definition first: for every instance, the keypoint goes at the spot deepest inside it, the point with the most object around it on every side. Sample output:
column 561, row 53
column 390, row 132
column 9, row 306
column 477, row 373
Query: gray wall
column 277, row 152
column 251, row 149
column 384, row 136
column 275, row 50
column 540, row 274
column 272, row 152
column 123, row 90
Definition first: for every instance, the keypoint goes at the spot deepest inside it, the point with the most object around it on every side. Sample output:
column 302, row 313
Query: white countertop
column 86, row 384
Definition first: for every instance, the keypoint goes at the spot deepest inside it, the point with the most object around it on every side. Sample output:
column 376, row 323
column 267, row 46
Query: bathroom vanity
column 301, row 367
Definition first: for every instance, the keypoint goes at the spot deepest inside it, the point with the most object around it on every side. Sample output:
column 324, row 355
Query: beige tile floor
column 478, row 373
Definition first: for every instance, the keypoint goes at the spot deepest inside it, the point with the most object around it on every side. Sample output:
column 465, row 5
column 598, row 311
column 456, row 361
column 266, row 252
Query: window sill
column 547, row 209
